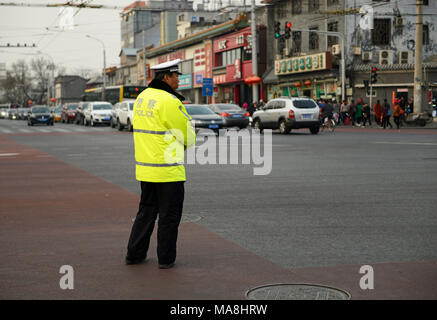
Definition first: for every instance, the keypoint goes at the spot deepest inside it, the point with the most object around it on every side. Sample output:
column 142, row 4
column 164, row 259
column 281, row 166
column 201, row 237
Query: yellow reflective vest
column 162, row 131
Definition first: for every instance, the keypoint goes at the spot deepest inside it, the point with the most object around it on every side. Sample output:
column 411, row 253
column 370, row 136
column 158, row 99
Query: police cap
column 168, row 67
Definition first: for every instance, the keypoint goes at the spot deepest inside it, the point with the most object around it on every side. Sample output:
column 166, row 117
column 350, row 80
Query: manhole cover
column 185, row 218
column 296, row 292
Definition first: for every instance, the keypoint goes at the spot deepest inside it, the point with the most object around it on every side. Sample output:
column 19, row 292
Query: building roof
column 391, row 67
column 239, row 22
column 136, row 4
column 128, row 52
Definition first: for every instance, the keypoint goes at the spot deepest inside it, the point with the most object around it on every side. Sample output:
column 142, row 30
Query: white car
column 288, row 113
column 125, row 114
column 98, row 112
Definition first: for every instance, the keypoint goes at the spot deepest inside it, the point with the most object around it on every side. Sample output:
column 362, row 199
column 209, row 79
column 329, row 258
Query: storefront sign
column 237, row 65
column 314, row 62
column 220, row 79
column 185, row 81
column 208, row 60
column 198, row 78
column 172, row 56
column 222, row 44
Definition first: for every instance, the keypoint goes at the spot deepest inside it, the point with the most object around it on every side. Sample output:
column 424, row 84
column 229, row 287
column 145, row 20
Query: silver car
column 288, row 113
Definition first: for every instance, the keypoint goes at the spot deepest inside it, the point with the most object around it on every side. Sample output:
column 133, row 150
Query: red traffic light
column 374, row 69
column 288, row 25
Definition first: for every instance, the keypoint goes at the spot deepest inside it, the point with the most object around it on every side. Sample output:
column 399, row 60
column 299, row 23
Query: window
column 282, row 10
column 187, row 66
column 297, row 41
column 425, row 34
column 313, row 39
column 425, row 2
column 297, row 6
column 332, row 26
column 381, row 32
column 313, row 5
column 332, row 2
column 219, row 59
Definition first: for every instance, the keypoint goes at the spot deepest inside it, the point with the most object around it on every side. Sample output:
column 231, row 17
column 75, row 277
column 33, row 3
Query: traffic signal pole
column 418, row 107
column 254, row 52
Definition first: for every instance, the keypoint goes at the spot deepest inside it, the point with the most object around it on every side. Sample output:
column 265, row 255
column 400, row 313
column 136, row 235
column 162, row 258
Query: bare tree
column 18, row 83
column 42, row 71
column 86, row 73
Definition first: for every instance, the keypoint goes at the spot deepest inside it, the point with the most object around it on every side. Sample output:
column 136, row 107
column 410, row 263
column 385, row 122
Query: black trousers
column 167, row 199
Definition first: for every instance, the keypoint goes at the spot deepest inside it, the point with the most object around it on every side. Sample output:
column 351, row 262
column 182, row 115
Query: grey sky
column 70, row 48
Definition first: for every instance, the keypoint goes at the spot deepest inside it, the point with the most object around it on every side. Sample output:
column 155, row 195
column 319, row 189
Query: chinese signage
column 314, row 62
column 172, row 56
column 242, row 38
column 185, row 81
column 198, row 78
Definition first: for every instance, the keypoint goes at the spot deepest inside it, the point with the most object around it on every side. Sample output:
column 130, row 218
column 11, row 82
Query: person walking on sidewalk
column 352, row 111
column 386, row 115
column 377, row 110
column 397, row 113
column 366, row 115
column 359, row 112
column 344, row 109
column 162, row 131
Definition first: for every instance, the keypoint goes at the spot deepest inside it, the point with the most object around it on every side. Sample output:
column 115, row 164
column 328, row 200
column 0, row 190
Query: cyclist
column 327, row 112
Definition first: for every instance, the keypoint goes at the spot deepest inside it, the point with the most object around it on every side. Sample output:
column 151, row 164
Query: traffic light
column 288, row 30
column 373, row 75
column 277, row 30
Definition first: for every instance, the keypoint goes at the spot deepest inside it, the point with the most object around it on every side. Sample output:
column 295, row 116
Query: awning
column 269, row 76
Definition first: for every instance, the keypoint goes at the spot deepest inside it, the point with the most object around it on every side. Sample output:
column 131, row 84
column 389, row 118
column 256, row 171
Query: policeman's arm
column 178, row 121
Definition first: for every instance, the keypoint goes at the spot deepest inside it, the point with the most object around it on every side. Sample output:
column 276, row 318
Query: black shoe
column 166, row 266
column 134, row 261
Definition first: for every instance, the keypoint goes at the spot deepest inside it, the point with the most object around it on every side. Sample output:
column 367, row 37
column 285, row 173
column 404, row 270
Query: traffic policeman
column 162, row 131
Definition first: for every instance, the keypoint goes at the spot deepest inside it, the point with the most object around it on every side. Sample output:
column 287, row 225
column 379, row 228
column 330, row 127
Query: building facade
column 69, row 88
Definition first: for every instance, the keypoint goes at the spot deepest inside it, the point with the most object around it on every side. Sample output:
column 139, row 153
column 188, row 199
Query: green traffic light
column 277, row 35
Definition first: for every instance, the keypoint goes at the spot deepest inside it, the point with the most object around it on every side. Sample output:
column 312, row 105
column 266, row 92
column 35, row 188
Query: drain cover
column 296, row 292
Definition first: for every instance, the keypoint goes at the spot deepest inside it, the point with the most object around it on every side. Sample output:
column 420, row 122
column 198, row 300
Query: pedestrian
column 397, row 113
column 366, row 115
column 245, row 105
column 343, row 111
column 359, row 112
column 261, row 104
column 410, row 106
column 352, row 111
column 377, row 110
column 162, row 131
column 403, row 106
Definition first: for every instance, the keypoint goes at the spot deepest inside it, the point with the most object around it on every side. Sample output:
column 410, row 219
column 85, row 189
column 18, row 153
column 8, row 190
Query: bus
column 113, row 94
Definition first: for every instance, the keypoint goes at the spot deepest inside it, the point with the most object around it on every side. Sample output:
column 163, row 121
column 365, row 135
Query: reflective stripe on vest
column 151, row 131
column 159, row 164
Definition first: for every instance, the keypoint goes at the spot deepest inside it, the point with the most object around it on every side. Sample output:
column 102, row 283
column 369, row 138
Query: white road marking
column 8, row 154
column 407, row 143
column 5, row 131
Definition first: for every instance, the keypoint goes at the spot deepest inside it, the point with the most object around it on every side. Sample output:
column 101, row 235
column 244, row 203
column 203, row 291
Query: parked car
column 125, row 114
column 232, row 115
column 80, row 113
column 204, row 117
column 114, row 114
column 40, row 115
column 98, row 112
column 57, row 112
column 69, row 112
column 288, row 113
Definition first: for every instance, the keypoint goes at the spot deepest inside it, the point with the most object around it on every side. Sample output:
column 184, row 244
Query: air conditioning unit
column 357, row 51
column 366, row 56
column 405, row 57
column 386, row 57
column 336, row 49
column 398, row 22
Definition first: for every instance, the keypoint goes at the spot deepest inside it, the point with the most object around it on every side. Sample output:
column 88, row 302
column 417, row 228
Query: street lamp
column 51, row 83
column 104, row 65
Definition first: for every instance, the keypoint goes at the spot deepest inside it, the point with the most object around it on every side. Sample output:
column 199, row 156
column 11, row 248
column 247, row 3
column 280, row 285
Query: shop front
column 232, row 64
column 306, row 76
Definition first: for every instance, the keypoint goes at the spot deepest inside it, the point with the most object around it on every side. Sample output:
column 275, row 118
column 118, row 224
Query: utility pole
column 254, row 53
column 418, row 74
column 104, row 65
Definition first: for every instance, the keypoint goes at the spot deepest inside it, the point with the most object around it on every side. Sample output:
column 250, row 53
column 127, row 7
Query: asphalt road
column 352, row 197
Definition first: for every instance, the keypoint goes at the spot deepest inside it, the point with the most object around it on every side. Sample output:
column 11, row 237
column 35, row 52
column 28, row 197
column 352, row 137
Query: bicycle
column 324, row 124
